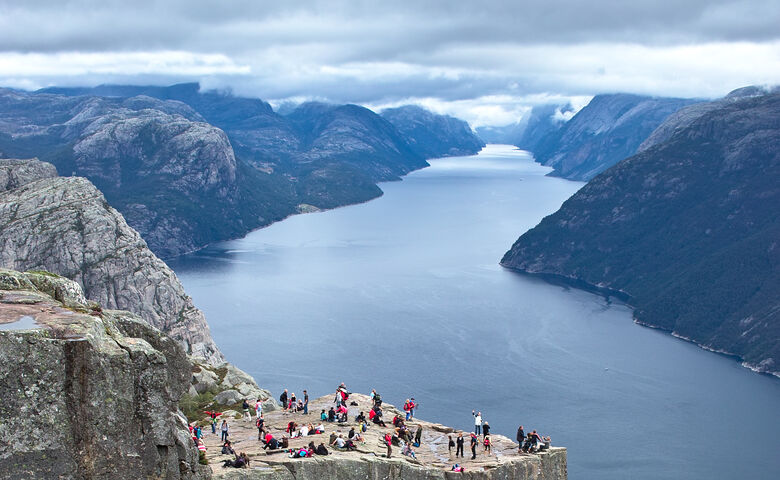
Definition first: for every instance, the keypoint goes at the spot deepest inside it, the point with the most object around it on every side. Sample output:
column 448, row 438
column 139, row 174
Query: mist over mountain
column 610, row 128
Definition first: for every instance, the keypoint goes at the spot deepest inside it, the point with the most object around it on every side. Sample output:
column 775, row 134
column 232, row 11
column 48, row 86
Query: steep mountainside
column 64, row 225
column 609, row 129
column 431, row 135
column 688, row 229
column 183, row 183
column 543, row 122
column 87, row 393
column 174, row 177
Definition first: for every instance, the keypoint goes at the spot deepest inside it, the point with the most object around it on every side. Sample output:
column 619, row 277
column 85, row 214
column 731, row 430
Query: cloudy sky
column 485, row 61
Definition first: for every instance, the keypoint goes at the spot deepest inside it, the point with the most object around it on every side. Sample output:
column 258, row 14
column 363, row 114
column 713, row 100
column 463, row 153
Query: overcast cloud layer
column 486, row 62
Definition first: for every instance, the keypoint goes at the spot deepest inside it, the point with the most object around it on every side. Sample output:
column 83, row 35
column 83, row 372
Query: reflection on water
column 404, row 294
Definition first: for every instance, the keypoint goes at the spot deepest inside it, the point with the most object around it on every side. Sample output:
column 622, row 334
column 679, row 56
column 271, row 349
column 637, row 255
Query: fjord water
column 404, row 294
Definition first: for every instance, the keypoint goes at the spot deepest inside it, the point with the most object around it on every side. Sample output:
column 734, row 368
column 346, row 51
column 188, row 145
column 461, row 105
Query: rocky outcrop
column 688, row 230
column 609, row 129
column 433, row 459
column 87, row 393
column 65, row 226
column 431, row 135
column 14, row 172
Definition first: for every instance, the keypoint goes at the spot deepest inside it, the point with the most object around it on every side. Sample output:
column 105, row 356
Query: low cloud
column 482, row 62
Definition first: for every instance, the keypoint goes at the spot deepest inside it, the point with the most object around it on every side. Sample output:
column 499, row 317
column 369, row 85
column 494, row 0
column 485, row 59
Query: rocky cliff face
column 431, row 135
column 183, row 183
column 609, row 129
column 64, row 225
column 688, row 229
column 87, row 393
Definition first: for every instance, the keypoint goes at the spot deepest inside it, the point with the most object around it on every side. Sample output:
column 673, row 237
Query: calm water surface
column 404, row 294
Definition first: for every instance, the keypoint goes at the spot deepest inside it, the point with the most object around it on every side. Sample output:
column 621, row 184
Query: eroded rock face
column 65, row 226
column 87, row 394
column 14, row 172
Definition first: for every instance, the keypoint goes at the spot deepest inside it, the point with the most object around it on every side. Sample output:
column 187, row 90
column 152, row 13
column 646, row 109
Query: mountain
column 173, row 176
column 543, row 122
column 64, row 225
column 687, row 230
column 609, row 129
column 187, row 168
column 431, row 135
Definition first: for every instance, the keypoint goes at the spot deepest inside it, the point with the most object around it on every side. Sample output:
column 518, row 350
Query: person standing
column 283, row 399
column 258, row 409
column 485, row 429
column 245, row 406
column 520, row 438
column 459, row 449
column 305, row 402
column 473, row 446
column 450, row 444
column 412, row 406
column 477, row 422
column 224, row 430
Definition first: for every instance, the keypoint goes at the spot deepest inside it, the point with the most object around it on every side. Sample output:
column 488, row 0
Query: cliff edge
column 87, row 393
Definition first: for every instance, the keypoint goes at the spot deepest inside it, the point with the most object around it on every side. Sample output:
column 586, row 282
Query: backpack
column 406, row 406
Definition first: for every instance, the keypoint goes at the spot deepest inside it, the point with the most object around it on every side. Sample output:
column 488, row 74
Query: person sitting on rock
column 227, row 449
column 340, row 443
column 332, row 439
column 241, row 461
column 321, row 449
column 331, row 415
column 305, row 429
column 360, row 418
column 545, row 443
column 350, row 445
column 320, row 428
column 269, row 442
column 323, row 416
column 358, row 437
column 407, row 450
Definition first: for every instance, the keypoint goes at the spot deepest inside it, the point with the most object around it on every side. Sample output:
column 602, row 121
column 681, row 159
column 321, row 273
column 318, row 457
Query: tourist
column 377, row 398
column 283, row 399
column 485, row 429
column 458, row 468
column 269, row 442
column 304, row 430
column 459, row 450
column 412, row 406
column 224, row 430
column 227, row 449
column 201, row 446
column 450, row 444
column 418, row 436
column 340, row 443
column 331, row 415
column 545, row 443
column 473, row 446
column 477, row 422
column 361, row 418
column 245, row 406
column 260, row 423
column 389, row 443
column 292, row 403
column 407, row 450
column 486, row 443
column 258, row 408
column 351, row 433
column 323, row 416
column 305, row 403
column 407, row 407
column 520, row 438
column 321, row 449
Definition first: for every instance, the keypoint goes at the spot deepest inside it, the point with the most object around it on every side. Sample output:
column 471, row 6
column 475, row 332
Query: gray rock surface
column 65, row 226
column 15, row 172
column 88, row 394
